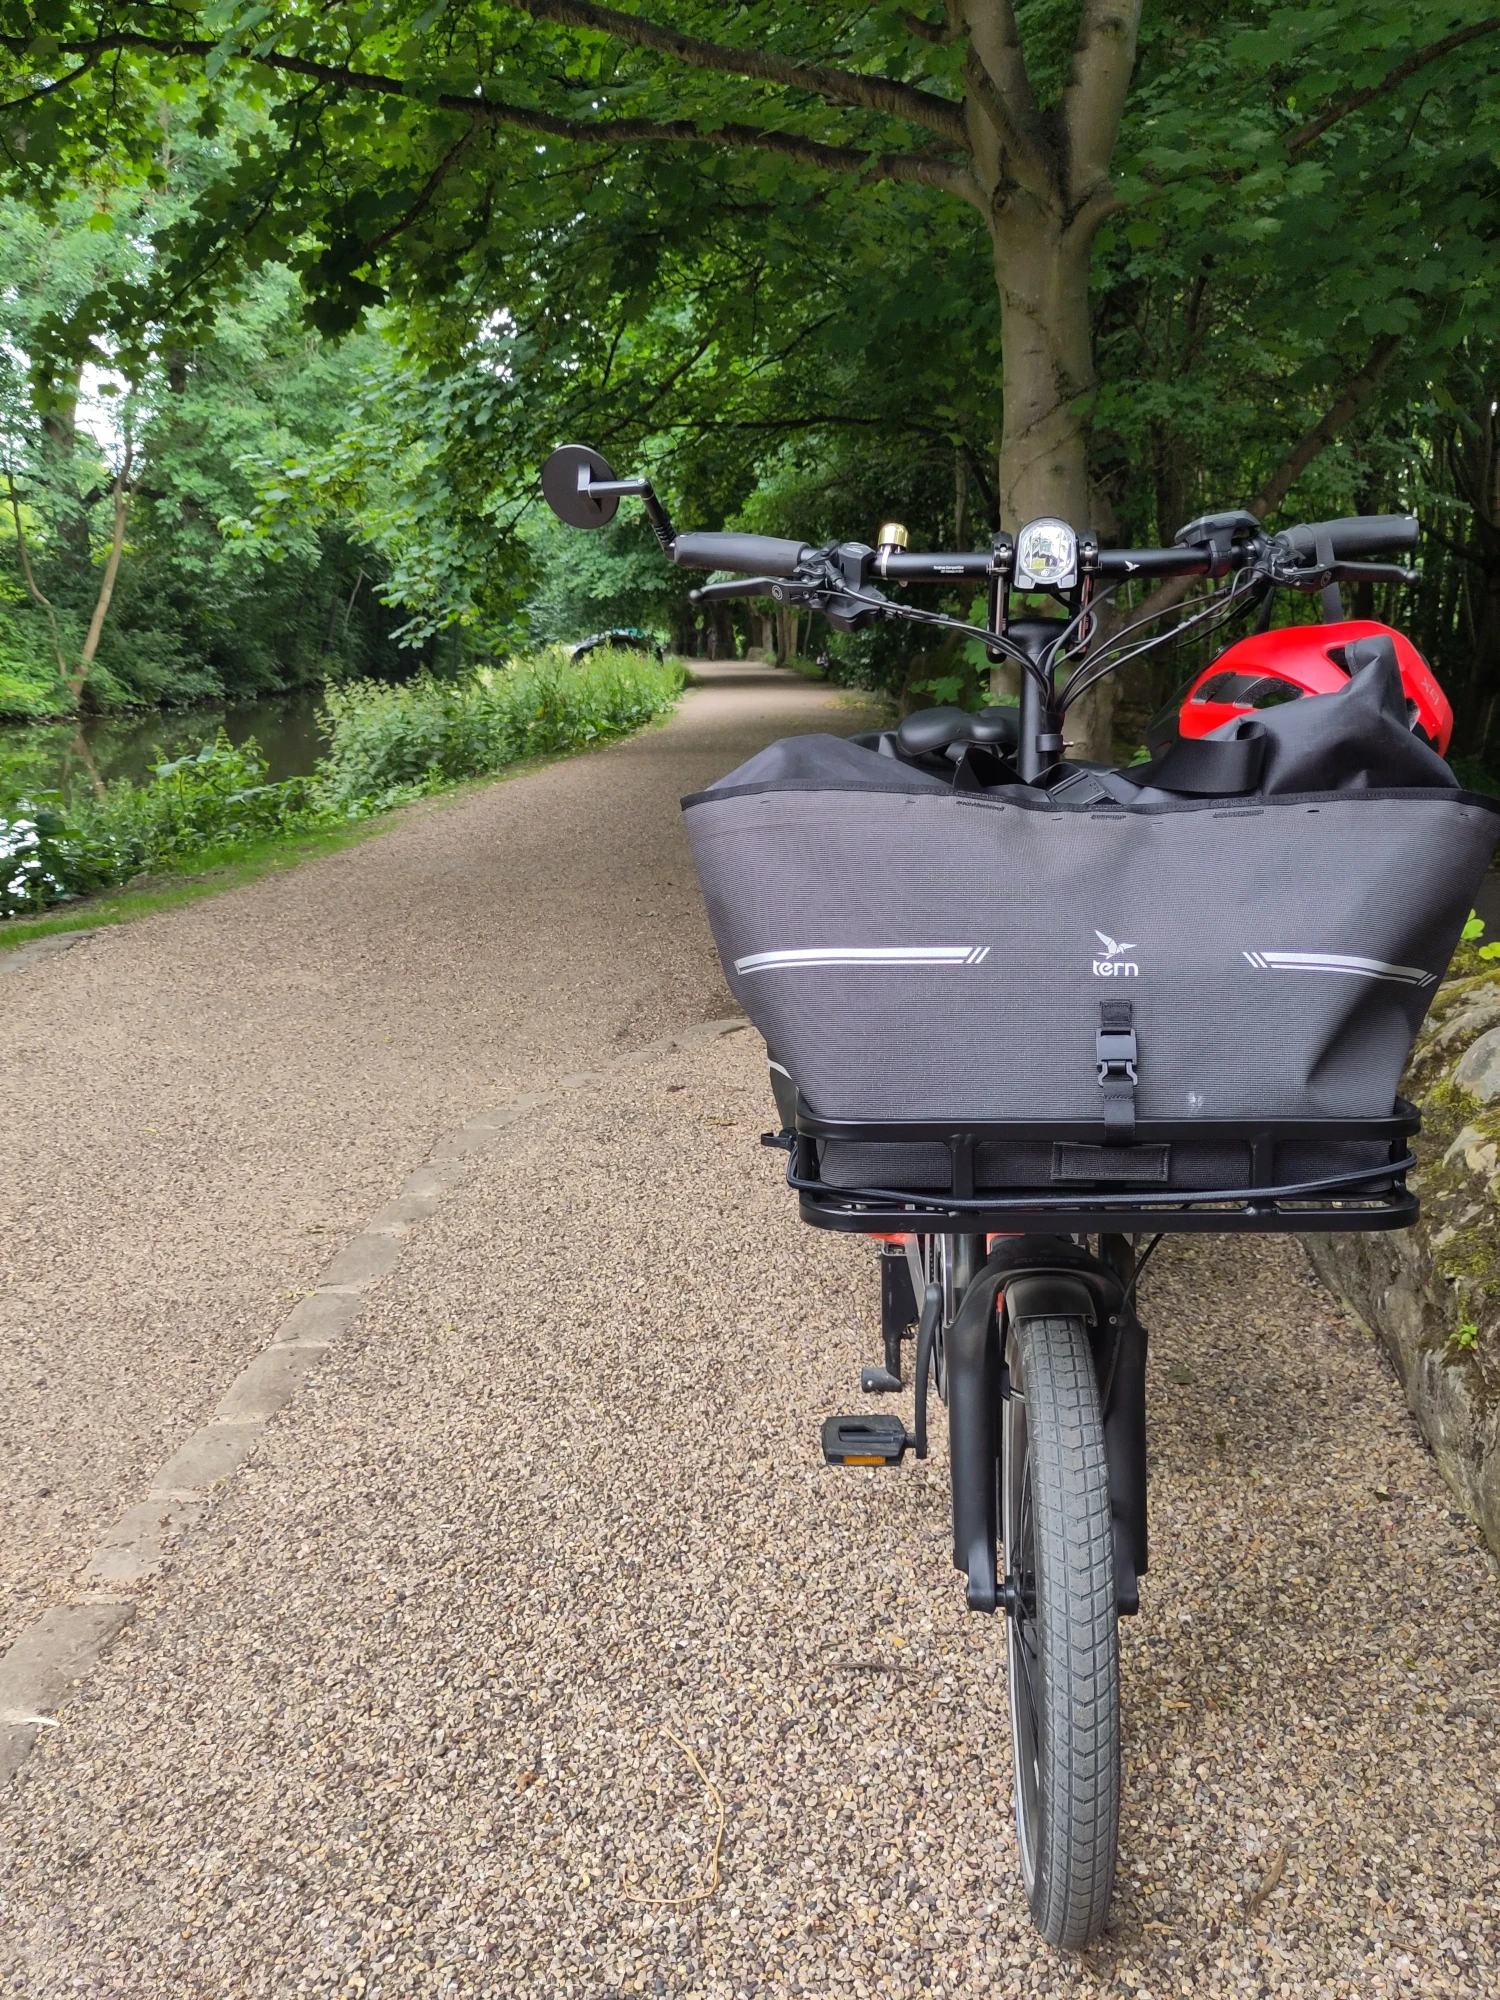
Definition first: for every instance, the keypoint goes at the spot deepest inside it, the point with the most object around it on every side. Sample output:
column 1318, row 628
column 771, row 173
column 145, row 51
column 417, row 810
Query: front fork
column 971, row 1347
column 973, row 1356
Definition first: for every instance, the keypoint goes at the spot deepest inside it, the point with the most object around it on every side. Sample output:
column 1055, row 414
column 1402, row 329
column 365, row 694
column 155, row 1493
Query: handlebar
column 1154, row 562
column 755, row 555
column 842, row 579
column 1362, row 535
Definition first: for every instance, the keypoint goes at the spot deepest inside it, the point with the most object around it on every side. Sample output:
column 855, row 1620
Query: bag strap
column 1331, row 596
column 1209, row 769
column 1116, row 1054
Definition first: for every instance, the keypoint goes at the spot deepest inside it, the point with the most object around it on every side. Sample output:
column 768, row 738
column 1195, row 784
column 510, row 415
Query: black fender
column 971, row 1349
column 1050, row 1295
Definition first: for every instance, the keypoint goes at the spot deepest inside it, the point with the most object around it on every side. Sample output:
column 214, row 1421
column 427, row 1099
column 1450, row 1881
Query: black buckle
column 1116, row 1053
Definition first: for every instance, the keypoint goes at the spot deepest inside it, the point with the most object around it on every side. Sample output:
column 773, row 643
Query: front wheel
column 1062, row 1636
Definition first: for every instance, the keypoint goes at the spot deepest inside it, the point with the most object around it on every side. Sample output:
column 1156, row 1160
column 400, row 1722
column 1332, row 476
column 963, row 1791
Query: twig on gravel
column 698, row 1895
column 1258, row 1896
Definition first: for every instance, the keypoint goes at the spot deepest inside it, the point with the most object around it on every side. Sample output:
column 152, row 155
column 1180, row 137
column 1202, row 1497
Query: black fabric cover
column 1357, row 740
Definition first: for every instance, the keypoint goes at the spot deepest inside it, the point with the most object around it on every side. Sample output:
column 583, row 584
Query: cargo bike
column 1027, row 1014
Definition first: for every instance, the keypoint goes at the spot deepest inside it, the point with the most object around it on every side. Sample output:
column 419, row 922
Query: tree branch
column 932, row 169
column 430, row 187
column 840, row 86
column 111, row 571
column 51, row 89
column 1356, row 392
column 1419, row 59
column 31, row 582
column 929, row 30
column 1021, row 154
column 996, row 43
column 1094, row 96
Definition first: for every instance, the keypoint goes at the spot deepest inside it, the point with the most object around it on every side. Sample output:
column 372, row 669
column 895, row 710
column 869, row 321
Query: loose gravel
column 398, row 1722
column 198, row 1108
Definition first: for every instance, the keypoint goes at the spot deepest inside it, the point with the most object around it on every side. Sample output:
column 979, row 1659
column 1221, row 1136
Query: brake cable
column 1216, row 611
column 914, row 614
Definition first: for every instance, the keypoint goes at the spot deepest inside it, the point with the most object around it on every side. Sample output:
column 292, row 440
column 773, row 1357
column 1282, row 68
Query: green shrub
column 215, row 800
column 41, row 860
column 388, row 744
column 392, row 743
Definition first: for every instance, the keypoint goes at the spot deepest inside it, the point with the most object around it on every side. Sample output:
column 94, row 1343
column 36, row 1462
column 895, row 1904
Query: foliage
column 547, row 226
column 195, row 613
column 210, row 802
column 388, row 745
column 39, row 864
column 391, row 743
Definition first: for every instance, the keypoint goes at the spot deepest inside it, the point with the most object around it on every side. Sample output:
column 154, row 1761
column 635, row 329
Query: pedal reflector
column 860, row 1440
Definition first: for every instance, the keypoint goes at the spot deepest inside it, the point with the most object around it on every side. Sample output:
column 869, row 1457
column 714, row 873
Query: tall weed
column 214, row 801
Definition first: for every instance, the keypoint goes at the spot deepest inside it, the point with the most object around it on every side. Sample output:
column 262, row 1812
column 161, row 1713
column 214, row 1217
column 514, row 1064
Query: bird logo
column 1111, row 949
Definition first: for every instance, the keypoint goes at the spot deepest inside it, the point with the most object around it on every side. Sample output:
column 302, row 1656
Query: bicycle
column 1013, row 1175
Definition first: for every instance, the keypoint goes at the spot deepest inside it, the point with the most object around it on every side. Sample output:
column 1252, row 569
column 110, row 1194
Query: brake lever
column 739, row 586
column 825, row 592
column 1374, row 572
column 1319, row 574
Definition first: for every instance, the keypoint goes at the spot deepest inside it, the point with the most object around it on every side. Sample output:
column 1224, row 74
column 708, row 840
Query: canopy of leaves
column 734, row 246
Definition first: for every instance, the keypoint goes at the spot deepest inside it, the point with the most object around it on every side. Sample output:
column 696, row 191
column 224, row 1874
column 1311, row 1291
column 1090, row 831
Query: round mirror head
column 565, row 482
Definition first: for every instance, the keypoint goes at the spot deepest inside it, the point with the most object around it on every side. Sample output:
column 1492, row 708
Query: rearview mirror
column 566, row 479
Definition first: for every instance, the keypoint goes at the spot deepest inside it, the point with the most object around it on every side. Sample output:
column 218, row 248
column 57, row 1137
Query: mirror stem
column 656, row 514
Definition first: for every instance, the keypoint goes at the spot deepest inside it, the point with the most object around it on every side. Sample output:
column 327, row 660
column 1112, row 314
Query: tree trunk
column 120, row 494
column 1043, row 280
column 1042, row 273
column 57, row 408
column 1043, row 181
column 960, row 496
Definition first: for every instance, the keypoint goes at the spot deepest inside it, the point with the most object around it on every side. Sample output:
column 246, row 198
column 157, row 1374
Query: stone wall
column 1431, row 1294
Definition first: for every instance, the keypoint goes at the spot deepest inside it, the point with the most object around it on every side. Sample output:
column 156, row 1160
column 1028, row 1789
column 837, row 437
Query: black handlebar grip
column 751, row 555
column 1362, row 535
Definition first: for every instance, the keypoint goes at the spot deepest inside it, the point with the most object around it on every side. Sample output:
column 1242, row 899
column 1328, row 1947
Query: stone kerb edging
column 53, row 1655
column 1431, row 1294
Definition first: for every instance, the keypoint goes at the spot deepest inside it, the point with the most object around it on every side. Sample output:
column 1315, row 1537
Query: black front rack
column 1344, row 1201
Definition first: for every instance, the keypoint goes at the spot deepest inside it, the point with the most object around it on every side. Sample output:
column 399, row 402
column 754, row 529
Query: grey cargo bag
column 911, row 952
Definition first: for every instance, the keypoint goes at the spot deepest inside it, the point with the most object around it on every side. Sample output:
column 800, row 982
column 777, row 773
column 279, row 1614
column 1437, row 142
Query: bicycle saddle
column 933, row 730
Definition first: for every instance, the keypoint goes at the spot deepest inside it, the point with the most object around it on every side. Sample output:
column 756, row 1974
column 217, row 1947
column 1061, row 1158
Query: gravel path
column 396, row 1723
column 397, row 1720
column 199, row 1107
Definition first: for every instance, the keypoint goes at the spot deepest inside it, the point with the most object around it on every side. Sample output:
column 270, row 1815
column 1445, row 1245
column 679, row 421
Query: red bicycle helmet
column 1272, row 667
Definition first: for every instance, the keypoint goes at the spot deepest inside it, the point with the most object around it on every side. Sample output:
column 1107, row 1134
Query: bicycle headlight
column 1046, row 556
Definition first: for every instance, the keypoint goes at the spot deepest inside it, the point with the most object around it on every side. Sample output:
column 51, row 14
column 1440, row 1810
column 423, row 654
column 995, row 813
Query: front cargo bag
column 910, row 952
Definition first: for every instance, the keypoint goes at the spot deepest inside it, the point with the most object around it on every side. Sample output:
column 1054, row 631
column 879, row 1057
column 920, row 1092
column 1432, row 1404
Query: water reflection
column 66, row 756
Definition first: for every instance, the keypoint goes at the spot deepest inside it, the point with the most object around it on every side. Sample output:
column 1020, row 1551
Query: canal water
column 50, row 756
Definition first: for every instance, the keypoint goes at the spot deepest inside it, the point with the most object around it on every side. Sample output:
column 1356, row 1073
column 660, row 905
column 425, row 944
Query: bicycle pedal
column 864, row 1440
